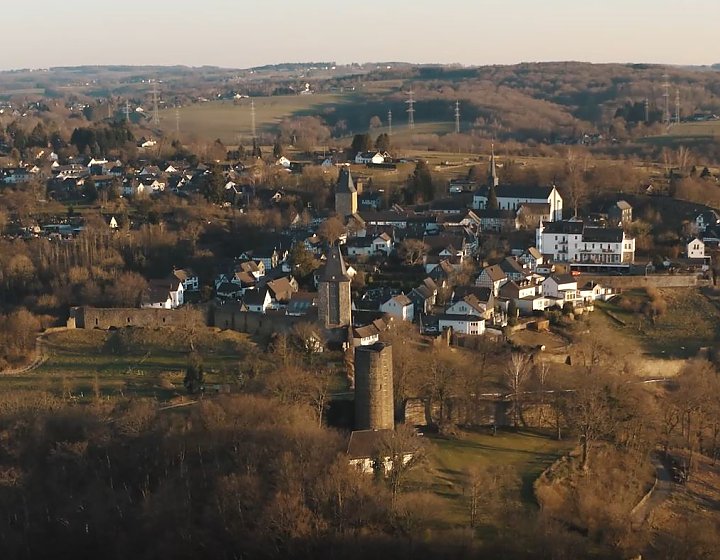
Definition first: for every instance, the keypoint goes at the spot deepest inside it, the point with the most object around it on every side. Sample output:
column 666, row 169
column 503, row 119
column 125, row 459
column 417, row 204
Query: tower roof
column 492, row 170
column 345, row 182
column 335, row 270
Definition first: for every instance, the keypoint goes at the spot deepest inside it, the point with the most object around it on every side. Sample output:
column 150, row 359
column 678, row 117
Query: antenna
column 411, row 109
column 389, row 123
column 677, row 106
column 252, row 118
column 647, row 110
column 457, row 117
column 127, row 111
column 156, row 113
column 666, row 99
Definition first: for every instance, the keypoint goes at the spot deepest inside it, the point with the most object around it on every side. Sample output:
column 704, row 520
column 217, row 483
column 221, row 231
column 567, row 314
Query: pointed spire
column 493, row 180
column 335, row 270
column 345, row 182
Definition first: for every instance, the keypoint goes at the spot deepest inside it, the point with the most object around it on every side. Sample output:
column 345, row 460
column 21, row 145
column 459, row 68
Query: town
column 323, row 337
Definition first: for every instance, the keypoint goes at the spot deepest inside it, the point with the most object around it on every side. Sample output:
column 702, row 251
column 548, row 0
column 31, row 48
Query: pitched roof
column 563, row 278
column 335, row 270
column 518, row 191
column 482, row 294
column 345, row 183
column 511, row 266
column 255, row 297
column 365, row 444
column 401, row 299
column 495, row 273
column 603, row 235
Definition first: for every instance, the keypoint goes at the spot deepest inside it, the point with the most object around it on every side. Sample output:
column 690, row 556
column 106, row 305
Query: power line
column 411, row 109
column 252, row 118
column 156, row 112
column 457, row 117
column 666, row 99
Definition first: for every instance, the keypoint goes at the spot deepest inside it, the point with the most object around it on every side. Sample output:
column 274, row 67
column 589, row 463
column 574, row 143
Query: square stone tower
column 345, row 195
column 334, row 299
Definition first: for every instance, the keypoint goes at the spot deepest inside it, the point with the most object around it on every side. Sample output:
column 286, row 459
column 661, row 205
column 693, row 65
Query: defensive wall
column 115, row 318
column 650, row 281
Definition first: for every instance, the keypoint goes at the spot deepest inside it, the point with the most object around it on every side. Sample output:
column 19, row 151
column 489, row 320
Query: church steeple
column 493, row 180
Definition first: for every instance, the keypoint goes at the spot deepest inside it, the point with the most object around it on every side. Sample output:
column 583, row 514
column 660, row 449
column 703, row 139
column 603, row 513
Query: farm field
column 231, row 121
column 691, row 132
column 522, row 454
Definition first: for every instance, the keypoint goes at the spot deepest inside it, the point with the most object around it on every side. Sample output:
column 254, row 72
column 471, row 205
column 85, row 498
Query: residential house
column 707, row 219
column 496, row 220
column 531, row 259
column 302, row 304
column 229, row 290
column 592, row 291
column 482, row 298
column 527, row 296
column 463, row 324
column 365, row 451
column 531, row 215
column 399, row 306
column 696, row 249
column 620, row 213
column 363, row 158
column 424, row 296
column 190, row 280
column 281, row 290
column 563, row 288
column 492, row 277
column 258, row 301
column 166, row 293
column 513, row 269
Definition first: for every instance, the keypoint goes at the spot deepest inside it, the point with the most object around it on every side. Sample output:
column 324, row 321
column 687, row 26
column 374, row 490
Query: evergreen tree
column 256, row 151
column 421, row 183
column 278, row 150
column 361, row 143
column 382, row 143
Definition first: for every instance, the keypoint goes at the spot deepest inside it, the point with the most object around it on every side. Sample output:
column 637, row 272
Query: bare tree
column 517, row 372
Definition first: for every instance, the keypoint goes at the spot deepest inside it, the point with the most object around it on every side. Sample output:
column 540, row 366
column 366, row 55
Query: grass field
column 232, row 121
column 691, row 322
column 150, row 362
column 525, row 453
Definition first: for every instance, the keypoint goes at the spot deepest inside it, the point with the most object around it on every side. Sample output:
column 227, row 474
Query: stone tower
column 334, row 302
column 374, row 387
column 345, row 195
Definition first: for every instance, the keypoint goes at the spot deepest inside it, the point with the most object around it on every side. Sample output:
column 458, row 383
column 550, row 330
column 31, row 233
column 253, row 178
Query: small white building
column 464, row 324
column 696, row 249
column 399, row 306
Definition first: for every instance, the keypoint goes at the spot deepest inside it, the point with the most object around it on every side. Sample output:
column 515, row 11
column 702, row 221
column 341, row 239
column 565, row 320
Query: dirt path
column 661, row 492
column 41, row 354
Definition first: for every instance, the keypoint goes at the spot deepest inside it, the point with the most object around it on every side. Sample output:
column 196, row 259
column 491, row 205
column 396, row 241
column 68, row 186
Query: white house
column 383, row 243
column 399, row 306
column 365, row 451
column 190, row 280
column 696, row 249
column 583, row 246
column 464, row 324
column 511, row 197
column 562, row 287
column 531, row 258
column 283, row 162
column 163, row 294
column 469, row 305
column 364, row 158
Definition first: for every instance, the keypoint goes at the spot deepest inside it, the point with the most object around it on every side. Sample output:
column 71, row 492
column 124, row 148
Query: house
column 281, row 290
column 592, row 291
column 112, row 223
column 302, row 304
column 482, row 298
column 15, row 175
column 369, row 334
column 511, row 197
column 527, row 297
column 469, row 305
column 696, row 249
column 363, row 158
column 584, row 246
column 620, row 213
column 463, row 324
column 563, row 288
column 492, row 277
column 190, row 280
column 513, row 269
column 496, row 220
column 283, row 162
column 166, row 293
column 365, row 451
column 531, row 259
column 399, row 306
column 707, row 219
column 258, row 301
column 229, row 290
column 424, row 296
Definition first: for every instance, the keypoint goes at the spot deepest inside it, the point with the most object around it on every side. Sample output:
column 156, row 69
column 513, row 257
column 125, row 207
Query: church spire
column 493, row 180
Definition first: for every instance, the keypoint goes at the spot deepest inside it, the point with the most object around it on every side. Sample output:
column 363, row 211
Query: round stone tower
column 374, row 387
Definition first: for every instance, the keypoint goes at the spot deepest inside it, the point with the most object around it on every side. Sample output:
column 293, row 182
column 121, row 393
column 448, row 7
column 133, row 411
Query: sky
column 243, row 33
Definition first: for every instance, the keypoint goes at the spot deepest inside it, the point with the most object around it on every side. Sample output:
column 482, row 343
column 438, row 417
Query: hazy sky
column 240, row 33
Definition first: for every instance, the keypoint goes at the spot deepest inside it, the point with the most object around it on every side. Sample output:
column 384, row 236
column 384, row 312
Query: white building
column 696, row 249
column 511, row 197
column 399, row 306
column 584, row 246
column 464, row 324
